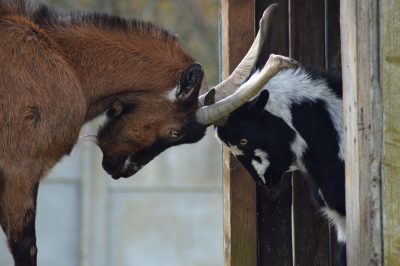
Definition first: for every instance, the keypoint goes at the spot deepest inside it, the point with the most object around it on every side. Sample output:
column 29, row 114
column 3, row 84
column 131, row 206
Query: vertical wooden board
column 307, row 32
column 307, row 44
column 390, row 80
column 278, row 38
column 362, row 104
column 274, row 227
column 274, row 230
column 311, row 230
column 333, row 62
column 240, row 236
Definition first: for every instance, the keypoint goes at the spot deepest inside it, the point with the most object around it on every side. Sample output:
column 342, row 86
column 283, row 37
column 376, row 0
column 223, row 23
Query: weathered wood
column 362, row 107
column 307, row 32
column 307, row 44
column 278, row 39
column 240, row 235
column 274, row 217
column 311, row 230
column 333, row 63
column 390, row 80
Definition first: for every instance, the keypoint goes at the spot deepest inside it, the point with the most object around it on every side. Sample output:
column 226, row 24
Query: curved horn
column 208, row 115
column 243, row 70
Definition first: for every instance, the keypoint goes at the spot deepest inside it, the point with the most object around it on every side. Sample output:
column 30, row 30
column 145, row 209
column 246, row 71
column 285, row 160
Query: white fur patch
column 298, row 147
column 295, row 86
column 127, row 163
column 261, row 167
column 339, row 221
column 232, row 148
column 235, row 150
column 171, row 95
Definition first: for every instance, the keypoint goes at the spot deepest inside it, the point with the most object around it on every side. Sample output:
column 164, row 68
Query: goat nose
column 112, row 163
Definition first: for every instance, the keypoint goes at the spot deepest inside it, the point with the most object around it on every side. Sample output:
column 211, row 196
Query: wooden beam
column 390, row 80
column 307, row 44
column 240, row 235
column 274, row 216
column 363, row 118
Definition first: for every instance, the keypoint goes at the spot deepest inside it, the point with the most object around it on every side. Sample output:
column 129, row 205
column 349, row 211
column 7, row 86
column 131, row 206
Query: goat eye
column 173, row 134
column 243, row 141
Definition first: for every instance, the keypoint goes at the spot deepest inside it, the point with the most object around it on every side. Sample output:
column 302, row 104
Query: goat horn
column 243, row 70
column 208, row 115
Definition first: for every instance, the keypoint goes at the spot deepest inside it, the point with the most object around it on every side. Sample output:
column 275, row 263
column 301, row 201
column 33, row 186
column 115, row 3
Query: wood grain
column 307, row 45
column 274, row 216
column 362, row 106
column 390, row 80
column 240, row 224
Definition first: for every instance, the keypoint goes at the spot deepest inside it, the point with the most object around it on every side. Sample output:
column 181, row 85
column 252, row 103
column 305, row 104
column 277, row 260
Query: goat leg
column 17, row 218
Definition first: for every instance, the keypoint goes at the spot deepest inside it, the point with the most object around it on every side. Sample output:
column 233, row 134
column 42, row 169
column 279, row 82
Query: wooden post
column 240, row 225
column 363, row 117
column 307, row 44
column 274, row 217
column 390, row 80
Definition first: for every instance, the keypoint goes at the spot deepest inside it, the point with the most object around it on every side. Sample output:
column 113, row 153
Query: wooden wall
column 371, row 75
column 240, row 224
column 390, row 79
column 308, row 30
column 303, row 31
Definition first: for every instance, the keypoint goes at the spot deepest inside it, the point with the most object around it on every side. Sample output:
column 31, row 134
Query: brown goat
column 58, row 72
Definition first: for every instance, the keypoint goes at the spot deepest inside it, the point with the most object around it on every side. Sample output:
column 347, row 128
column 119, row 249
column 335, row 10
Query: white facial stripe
column 261, row 167
column 235, row 150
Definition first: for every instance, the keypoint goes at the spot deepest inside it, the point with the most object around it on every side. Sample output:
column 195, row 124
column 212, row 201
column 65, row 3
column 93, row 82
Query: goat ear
column 115, row 109
column 189, row 83
column 259, row 103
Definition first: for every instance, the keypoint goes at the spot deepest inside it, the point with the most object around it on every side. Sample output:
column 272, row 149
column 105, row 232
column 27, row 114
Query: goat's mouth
column 120, row 166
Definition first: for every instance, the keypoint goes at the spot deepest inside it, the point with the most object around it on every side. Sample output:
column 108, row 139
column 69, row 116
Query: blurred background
column 170, row 213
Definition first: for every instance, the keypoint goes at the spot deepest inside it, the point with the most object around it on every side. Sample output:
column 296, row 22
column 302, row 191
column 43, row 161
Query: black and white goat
column 295, row 124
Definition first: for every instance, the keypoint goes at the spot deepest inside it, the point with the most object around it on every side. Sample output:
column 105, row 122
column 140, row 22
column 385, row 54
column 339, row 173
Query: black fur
column 271, row 134
column 313, row 123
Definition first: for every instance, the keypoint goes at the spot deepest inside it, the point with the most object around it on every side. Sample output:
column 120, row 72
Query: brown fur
column 58, row 72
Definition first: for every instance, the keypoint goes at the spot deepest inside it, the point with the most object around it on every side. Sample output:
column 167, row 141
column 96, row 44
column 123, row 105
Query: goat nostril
column 111, row 164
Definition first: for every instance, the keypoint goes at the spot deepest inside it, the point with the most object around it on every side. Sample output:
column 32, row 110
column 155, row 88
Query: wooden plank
column 307, row 32
column 278, row 39
column 390, row 80
column 307, row 44
column 311, row 230
column 333, row 63
column 240, row 236
column 362, row 107
column 274, row 229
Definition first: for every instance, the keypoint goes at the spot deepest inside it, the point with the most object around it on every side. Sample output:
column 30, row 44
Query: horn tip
column 268, row 12
column 210, row 97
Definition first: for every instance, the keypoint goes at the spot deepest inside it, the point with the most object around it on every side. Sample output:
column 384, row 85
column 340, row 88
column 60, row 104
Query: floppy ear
column 189, row 83
column 259, row 103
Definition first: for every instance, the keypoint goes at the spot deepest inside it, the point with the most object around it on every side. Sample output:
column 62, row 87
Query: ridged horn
column 208, row 115
column 243, row 70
